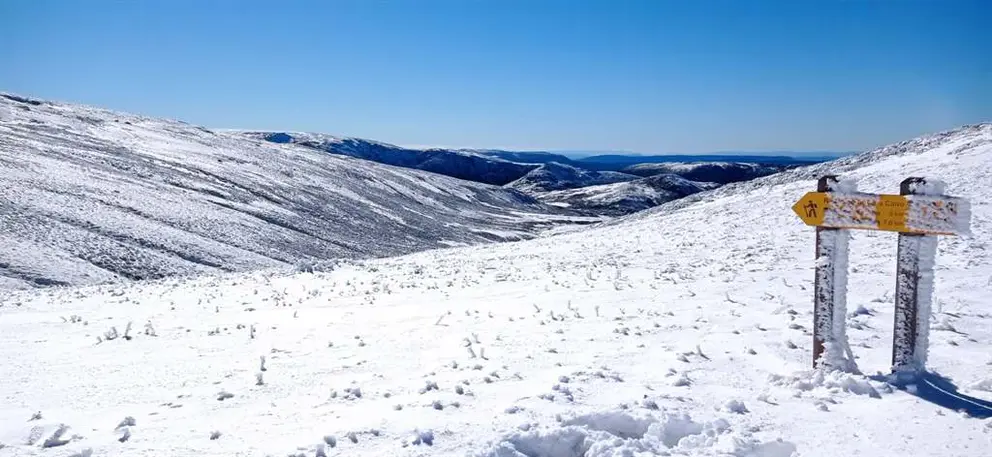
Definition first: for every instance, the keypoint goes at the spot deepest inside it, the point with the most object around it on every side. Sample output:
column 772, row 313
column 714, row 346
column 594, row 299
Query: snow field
column 685, row 330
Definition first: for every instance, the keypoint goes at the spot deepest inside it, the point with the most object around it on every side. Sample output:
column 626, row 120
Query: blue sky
column 644, row 76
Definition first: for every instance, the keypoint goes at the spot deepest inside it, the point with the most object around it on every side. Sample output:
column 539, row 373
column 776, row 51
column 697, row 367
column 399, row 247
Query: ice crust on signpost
column 914, row 281
column 832, row 265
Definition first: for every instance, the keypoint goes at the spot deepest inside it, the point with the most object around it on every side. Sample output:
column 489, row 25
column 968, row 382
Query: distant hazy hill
column 718, row 172
column 618, row 162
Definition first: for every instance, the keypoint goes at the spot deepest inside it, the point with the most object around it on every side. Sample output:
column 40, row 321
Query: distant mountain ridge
column 715, row 172
column 461, row 164
column 501, row 167
column 619, row 162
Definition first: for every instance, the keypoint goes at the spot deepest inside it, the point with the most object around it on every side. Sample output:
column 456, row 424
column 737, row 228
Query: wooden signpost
column 918, row 213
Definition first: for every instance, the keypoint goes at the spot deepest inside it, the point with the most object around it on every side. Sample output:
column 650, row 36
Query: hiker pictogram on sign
column 810, row 209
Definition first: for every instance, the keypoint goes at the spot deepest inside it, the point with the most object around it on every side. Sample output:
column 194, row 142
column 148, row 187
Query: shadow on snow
column 936, row 389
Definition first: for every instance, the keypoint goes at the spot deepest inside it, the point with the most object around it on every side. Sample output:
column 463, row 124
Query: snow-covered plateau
column 683, row 330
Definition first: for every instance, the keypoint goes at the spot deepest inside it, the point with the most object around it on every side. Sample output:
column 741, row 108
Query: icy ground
column 681, row 331
column 92, row 196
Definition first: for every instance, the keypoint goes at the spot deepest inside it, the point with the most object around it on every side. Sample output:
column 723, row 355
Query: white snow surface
column 93, row 196
column 683, row 330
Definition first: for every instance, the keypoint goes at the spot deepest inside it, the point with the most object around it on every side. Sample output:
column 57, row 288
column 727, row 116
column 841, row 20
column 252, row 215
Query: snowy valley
column 680, row 330
column 92, row 196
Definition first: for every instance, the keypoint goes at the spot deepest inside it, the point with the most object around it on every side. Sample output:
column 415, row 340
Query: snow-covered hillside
column 457, row 163
column 626, row 197
column 557, row 176
column 718, row 172
column 89, row 195
column 522, row 156
column 682, row 330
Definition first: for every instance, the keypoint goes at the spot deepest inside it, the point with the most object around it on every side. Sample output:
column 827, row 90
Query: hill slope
column 523, row 156
column 558, row 176
column 683, row 330
column 626, row 197
column 89, row 195
column 461, row 164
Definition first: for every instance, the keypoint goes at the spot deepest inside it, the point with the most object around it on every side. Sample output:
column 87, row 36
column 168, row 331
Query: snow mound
column 984, row 384
column 831, row 381
column 619, row 433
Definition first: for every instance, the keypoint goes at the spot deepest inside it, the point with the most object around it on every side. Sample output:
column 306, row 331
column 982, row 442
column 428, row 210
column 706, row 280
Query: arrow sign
column 920, row 214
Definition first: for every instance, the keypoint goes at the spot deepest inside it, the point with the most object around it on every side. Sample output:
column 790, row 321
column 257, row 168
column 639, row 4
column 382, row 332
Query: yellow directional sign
column 923, row 214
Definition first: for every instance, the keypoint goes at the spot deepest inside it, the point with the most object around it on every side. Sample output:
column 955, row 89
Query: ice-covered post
column 920, row 212
column 830, row 282
column 914, row 288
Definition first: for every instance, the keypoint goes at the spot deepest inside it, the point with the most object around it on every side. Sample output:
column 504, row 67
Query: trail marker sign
column 918, row 213
column 921, row 214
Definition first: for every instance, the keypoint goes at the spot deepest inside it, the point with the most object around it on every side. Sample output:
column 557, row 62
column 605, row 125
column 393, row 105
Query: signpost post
column 918, row 213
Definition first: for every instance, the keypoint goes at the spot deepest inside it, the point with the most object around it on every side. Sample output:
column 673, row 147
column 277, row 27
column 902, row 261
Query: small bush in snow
column 56, row 439
column 127, row 422
column 305, row 266
column 423, row 437
column 111, row 334
column 214, row 435
column 429, row 386
column 735, row 406
column 353, row 393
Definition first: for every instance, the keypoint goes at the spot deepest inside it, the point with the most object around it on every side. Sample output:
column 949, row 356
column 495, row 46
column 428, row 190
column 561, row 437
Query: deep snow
column 683, row 330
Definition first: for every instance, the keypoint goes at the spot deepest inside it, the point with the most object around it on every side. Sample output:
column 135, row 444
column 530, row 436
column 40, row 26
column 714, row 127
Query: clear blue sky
column 645, row 76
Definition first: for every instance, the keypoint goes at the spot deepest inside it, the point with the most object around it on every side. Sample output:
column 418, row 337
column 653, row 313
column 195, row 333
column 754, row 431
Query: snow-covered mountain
column 524, row 156
column 558, row 176
column 718, row 172
column 626, row 197
column 681, row 330
column 457, row 163
column 89, row 195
